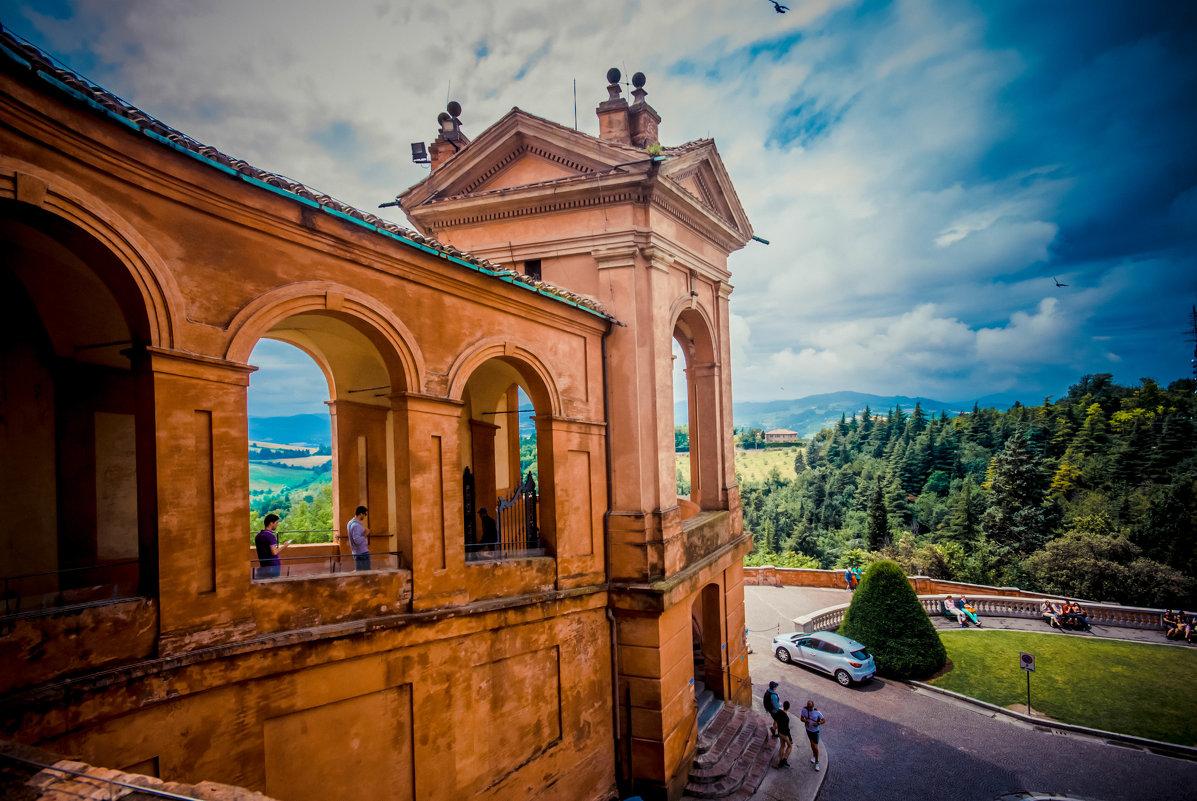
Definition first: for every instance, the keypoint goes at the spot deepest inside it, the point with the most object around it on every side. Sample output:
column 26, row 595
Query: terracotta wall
column 801, row 577
column 513, row 704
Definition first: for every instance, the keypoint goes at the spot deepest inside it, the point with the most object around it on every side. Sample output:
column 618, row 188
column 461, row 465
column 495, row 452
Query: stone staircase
column 734, row 751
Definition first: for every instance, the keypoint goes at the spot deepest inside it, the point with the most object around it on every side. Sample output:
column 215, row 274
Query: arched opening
column 290, row 447
column 696, row 393
column 76, row 419
column 707, row 634
column 681, row 429
column 360, row 465
column 505, row 450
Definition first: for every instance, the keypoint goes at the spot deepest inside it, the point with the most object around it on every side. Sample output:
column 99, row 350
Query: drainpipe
column 619, row 770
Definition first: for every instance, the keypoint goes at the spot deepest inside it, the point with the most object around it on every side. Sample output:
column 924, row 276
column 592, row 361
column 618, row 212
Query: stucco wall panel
column 38, row 648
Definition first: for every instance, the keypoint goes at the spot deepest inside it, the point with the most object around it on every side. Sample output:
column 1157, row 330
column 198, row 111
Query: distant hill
column 809, row 414
column 308, row 429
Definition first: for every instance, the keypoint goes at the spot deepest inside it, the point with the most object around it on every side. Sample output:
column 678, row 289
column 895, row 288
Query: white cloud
column 902, row 260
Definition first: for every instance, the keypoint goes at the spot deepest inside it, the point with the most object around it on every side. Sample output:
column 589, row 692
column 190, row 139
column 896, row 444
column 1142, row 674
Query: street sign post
column 1027, row 663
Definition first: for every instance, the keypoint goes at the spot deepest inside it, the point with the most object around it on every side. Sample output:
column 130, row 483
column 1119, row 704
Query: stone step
column 722, row 730
column 736, row 762
column 710, row 733
column 708, row 707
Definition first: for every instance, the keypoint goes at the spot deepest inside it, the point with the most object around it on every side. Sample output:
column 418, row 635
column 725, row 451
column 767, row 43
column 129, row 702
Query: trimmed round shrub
column 886, row 616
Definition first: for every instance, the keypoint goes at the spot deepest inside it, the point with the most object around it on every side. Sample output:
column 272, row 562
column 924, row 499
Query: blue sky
column 923, row 170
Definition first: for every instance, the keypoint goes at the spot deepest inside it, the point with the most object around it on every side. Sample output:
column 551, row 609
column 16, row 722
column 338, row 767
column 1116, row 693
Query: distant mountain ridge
column 309, row 429
column 809, row 414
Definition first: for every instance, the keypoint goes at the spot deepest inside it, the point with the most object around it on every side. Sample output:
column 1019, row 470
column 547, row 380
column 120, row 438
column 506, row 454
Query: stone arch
column 694, row 332
column 84, row 295
column 485, row 379
column 541, row 387
column 161, row 297
column 709, row 639
column 392, row 339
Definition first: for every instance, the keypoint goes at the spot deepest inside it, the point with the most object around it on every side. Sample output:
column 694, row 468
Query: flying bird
column 1057, row 280
column 778, row 7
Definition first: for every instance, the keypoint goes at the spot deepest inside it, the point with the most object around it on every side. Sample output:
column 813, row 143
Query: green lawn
column 273, row 478
column 1140, row 689
column 755, row 465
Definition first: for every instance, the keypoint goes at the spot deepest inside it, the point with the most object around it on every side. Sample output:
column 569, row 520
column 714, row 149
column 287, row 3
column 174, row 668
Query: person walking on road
column 772, row 704
column 781, row 717
column 814, row 720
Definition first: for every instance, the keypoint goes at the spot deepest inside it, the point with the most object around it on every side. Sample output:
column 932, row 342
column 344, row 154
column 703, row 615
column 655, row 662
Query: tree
column 878, row 520
column 964, row 520
column 886, row 616
column 1096, row 561
column 799, row 462
column 1015, row 518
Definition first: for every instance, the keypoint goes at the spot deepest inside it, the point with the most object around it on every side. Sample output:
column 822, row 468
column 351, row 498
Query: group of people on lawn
column 1068, row 615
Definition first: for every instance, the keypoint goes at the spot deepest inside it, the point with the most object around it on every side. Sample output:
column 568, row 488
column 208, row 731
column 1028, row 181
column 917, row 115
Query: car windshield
column 861, row 654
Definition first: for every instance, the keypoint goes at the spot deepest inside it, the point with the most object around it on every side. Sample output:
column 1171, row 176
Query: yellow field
column 755, row 465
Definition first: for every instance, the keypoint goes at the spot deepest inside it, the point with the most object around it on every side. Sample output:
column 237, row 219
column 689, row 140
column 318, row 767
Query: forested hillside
column 1094, row 495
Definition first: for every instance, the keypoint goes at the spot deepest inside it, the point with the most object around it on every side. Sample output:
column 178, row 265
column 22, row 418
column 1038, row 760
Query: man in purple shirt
column 269, row 565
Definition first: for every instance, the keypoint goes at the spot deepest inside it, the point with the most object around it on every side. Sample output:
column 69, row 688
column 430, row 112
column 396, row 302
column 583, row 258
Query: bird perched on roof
column 778, row 7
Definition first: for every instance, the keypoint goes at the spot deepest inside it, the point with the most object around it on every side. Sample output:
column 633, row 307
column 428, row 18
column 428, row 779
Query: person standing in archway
column 359, row 539
column 490, row 530
column 269, row 565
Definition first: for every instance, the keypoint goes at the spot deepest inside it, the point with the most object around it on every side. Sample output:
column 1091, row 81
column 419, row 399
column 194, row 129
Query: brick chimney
column 643, row 118
column 450, row 139
column 613, row 113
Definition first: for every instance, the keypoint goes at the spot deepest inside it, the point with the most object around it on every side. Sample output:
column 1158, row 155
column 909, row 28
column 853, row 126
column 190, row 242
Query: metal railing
column 316, row 565
column 115, row 788
column 52, row 589
column 507, row 549
column 331, row 532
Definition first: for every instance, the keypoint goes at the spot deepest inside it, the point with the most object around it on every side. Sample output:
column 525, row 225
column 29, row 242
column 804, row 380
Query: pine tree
column 799, row 463
column 878, row 520
column 1015, row 517
column 964, row 520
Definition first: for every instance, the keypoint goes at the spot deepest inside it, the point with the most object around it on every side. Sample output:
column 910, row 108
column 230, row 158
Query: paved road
column 894, row 742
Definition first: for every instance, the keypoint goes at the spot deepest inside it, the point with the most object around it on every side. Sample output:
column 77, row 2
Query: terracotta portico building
column 140, row 270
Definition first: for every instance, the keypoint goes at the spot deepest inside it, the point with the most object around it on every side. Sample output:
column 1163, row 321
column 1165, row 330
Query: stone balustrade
column 830, row 618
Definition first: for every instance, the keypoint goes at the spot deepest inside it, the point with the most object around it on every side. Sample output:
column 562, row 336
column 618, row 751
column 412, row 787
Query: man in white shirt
column 359, row 539
column 813, row 719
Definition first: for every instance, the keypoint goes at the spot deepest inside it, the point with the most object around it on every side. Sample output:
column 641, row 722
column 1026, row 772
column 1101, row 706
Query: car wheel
column 783, row 655
column 843, row 678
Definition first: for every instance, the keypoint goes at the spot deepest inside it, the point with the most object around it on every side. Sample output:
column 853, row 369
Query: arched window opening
column 323, row 446
column 500, row 482
column 290, row 450
column 681, row 423
column 696, row 395
column 74, row 402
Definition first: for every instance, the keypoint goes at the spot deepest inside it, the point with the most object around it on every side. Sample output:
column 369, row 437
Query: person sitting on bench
column 1171, row 622
column 951, row 609
column 1184, row 627
column 1050, row 613
column 1073, row 615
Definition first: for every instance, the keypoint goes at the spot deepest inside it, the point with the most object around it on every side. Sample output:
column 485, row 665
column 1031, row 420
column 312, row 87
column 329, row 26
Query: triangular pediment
column 522, row 156
column 519, row 150
column 699, row 171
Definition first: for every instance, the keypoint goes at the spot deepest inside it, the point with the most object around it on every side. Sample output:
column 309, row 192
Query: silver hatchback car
column 846, row 659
